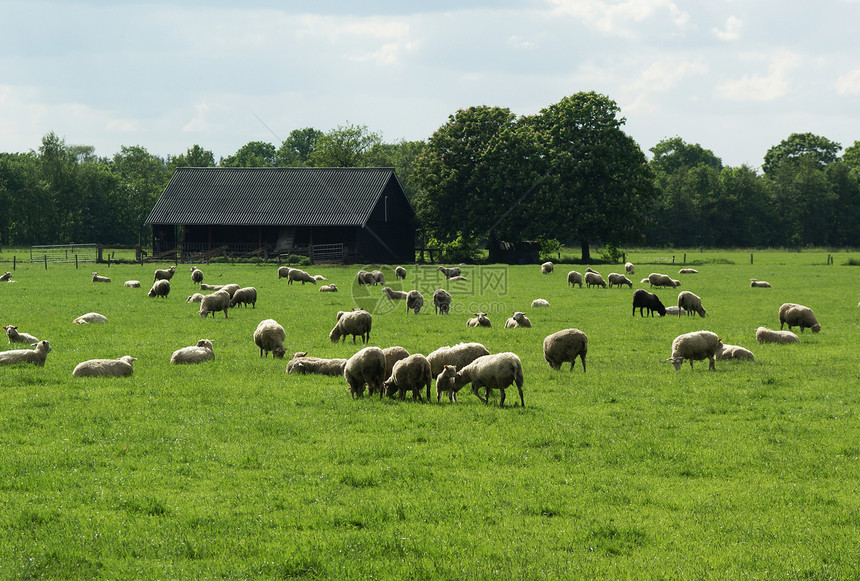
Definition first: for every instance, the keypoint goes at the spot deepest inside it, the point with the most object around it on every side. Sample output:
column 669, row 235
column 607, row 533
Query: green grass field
column 234, row 469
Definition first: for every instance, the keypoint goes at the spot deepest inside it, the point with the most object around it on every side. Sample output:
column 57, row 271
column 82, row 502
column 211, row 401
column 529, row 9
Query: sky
column 734, row 76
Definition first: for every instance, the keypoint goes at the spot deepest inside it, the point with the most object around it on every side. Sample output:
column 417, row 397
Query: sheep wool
column 479, row 320
column 547, row 268
column 759, row 283
column 518, row 319
column 795, row 315
column 414, row 301
column 15, row 336
column 574, row 278
column 442, row 301
column 690, row 303
column 98, row 278
column 498, row 371
column 458, row 356
column 765, row 335
column 365, row 368
column 594, row 279
column 393, row 354
column 445, row 383
column 160, row 288
column 619, row 280
column 132, row 283
column 540, row 303
column 449, row 272
column 36, row 356
column 565, row 345
column 244, row 296
column 90, row 318
column 269, row 336
column 735, row 352
column 629, row 268
column 121, row 367
column 355, row 323
column 194, row 354
column 302, row 364
column 695, row 346
column 410, row 374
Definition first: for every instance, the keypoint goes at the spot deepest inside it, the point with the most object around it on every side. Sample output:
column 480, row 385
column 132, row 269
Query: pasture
column 234, row 469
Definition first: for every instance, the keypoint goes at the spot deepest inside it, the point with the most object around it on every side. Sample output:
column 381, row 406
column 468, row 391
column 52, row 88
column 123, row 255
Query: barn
column 328, row 214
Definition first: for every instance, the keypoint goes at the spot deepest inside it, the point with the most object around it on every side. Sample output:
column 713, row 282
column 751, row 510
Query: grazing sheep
column 90, row 318
column 735, row 352
column 367, row 367
column 629, row 268
column 675, row 310
column 35, row 356
column 363, row 277
column 537, row 303
column 132, row 283
column 160, row 288
column 479, row 320
column 195, row 298
column 400, row 272
column 445, row 383
column 297, row 274
column 497, row 371
column 355, row 323
column 457, row 278
column 15, row 337
column 798, row 316
column 230, row 289
column 661, row 280
column 105, row 367
column 619, row 280
column 269, row 336
column 574, row 278
column 164, row 273
column 594, row 279
column 328, row 288
column 414, row 301
column 449, row 272
column 212, row 287
column 589, row 269
column 644, row 280
column 98, row 278
column 642, row 299
column 244, row 296
column 6, row 277
column 393, row 294
column 565, row 345
column 765, row 335
column 518, row 319
column 442, row 301
column 393, row 354
column 194, row 354
column 302, row 364
column 283, row 272
column 411, row 373
column 217, row 301
column 688, row 271
column 196, row 275
column 460, row 355
column 691, row 303
column 547, row 268
column 319, row 277
column 378, row 277
column 695, row 346
column 759, row 283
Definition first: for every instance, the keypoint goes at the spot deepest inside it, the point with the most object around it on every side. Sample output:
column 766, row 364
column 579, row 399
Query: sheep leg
column 711, row 366
column 501, row 397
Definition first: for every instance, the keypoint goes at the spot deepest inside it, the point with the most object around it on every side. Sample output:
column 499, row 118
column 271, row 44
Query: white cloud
column 731, row 30
column 762, row 88
column 849, row 83
column 615, row 17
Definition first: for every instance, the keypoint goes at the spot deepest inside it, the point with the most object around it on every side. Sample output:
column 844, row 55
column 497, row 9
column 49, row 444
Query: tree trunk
column 586, row 252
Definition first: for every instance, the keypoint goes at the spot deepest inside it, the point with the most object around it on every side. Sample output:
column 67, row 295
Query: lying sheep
column 319, row 277
column 393, row 354
column 393, row 294
column 642, row 299
column 212, row 287
column 328, row 288
column 661, row 280
column 759, row 283
column 105, row 367
column 414, row 301
column 765, row 335
column 537, row 303
column 132, row 283
column 363, row 277
column 619, row 280
column 35, row 356
column 449, row 272
column 691, row 303
column 269, row 336
column 164, row 273
column 194, row 354
column 798, row 316
column 442, row 301
column 297, row 274
column 457, row 278
column 6, row 277
column 411, row 373
column 547, row 268
column 695, row 346
column 365, row 368
column 98, row 278
column 675, row 310
column 244, row 296
column 460, row 355
column 629, row 268
column 196, row 275
column 15, row 336
column 688, row 271
column 479, row 320
column 498, row 371
column 445, row 383
column 565, row 345
column 574, row 278
column 302, row 364
column 735, row 352
column 90, row 318
column 400, row 272
column 160, row 288
column 195, row 298
column 594, row 279
column 518, row 319
column 355, row 323
column 283, row 272
column 217, row 301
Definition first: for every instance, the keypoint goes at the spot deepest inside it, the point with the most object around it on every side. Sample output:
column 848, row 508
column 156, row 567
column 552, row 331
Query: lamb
column 363, row 277
column 196, row 275
column 195, row 298
column 355, row 323
column 565, row 345
column 160, row 288
column 619, row 280
column 460, row 355
column 765, row 335
column 35, row 356
column 410, row 374
column 217, row 301
column 735, row 352
column 367, row 367
column 691, row 303
column 16, row 337
column 319, row 277
column 328, row 288
column 798, row 316
column 302, row 364
column 547, row 268
column 675, row 310
column 642, row 299
column 442, row 301
column 695, row 346
column 164, row 273
column 445, row 383
column 400, row 272
column 283, row 272
column 479, row 320
column 688, row 271
column 574, row 278
column 393, row 294
column 98, row 278
column 6, row 277
column 194, row 354
column 594, row 279
column 449, row 272
column 297, row 274
column 539, row 303
column 269, row 336
column 378, row 277
column 393, row 354
column 132, row 283
column 518, row 319
column 414, row 301
column 90, row 318
column 629, row 268
column 212, row 287
column 759, row 283
column 660, row 280
column 244, row 296
column 105, row 367
column 498, row 371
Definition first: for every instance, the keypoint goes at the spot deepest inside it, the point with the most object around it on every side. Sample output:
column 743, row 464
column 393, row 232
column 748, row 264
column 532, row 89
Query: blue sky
column 735, row 76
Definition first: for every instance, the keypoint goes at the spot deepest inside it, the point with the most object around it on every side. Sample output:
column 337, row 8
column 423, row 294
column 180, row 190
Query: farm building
column 349, row 214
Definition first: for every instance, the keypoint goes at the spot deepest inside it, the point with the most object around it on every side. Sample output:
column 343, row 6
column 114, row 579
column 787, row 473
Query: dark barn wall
column 390, row 225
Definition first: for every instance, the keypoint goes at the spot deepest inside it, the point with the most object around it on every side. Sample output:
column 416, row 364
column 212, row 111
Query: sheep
column 691, row 303
column 457, row 278
column 16, row 337
column 160, row 288
column 442, row 301
column 644, row 280
column 688, row 271
column 393, row 294
column 328, row 288
column 35, row 356
column 132, row 284
column 355, row 323
column 283, row 272
column 217, row 301
column 589, row 269
column 735, row 352
column 765, row 335
column 414, row 301
column 759, row 283
column 105, row 367
column 319, row 277
column 619, row 280
column 6, row 277
column 302, row 364
column 497, row 371
column 98, row 278
column 539, row 303
column 196, row 275
column 629, row 268
column 565, row 345
column 574, row 278
column 194, row 354
column 269, row 336
column 164, row 274
column 518, row 319
column 90, row 318
column 400, row 272
column 244, row 296
column 393, row 354
column 675, row 310
column 445, row 383
column 660, row 280
column 642, row 299
column 547, row 268
column 798, row 316
column 230, row 289
column 212, row 287
column 195, row 298
column 410, row 374
column 367, row 367
column 479, row 320
column 378, row 278
column 363, row 277
column 594, row 279
column 297, row 274
column 449, row 272
column 460, row 355
column 695, row 346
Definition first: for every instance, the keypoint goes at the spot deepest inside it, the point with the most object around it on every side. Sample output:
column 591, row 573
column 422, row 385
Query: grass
column 233, row 469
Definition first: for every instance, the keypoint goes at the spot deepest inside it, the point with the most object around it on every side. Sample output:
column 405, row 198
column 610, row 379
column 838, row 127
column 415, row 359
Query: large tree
column 817, row 150
column 297, row 148
column 252, row 154
column 350, row 146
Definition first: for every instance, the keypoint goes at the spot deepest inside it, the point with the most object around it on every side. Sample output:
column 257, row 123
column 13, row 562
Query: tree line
column 568, row 174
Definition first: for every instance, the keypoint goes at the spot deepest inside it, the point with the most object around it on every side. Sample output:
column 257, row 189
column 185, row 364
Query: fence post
column 76, row 261
column 685, row 258
column 14, row 262
column 46, row 261
column 751, row 258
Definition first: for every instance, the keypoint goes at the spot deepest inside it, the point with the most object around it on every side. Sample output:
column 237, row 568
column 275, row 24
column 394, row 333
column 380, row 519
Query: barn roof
column 272, row 196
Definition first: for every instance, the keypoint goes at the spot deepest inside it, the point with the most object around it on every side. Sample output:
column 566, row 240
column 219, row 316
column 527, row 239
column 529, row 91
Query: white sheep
column 688, row 271
column 393, row 294
column 195, row 298
column 283, row 272
column 212, row 303
column 363, row 277
column 160, row 288
column 400, row 272
column 328, row 288
column 98, row 278
column 457, row 278
column 765, row 335
column 244, row 296
column 319, row 277
column 660, row 280
column 132, row 283
column 212, row 287
column 594, row 279
column 445, row 383
column 537, row 303
column 355, row 323
column 498, row 371
column 6, row 277
column 795, row 315
column 194, row 354
column 619, row 280
column 565, row 345
column 302, row 364
column 459, row 356
column 365, row 368
column 735, row 352
column 196, row 275
column 518, row 319
column 35, row 356
column 297, row 274
column 675, row 310
column 411, row 373
column 121, row 367
column 695, row 346
column 442, row 301
column 230, row 289
column 393, row 354
column 589, row 269
column 547, row 268
column 629, row 268
column 449, row 272
column 690, row 303
column 164, row 273
column 479, row 320
column 574, row 278
column 269, row 336
column 759, row 283
column 378, row 277
column 90, row 318
column 15, row 336
column 414, row 301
